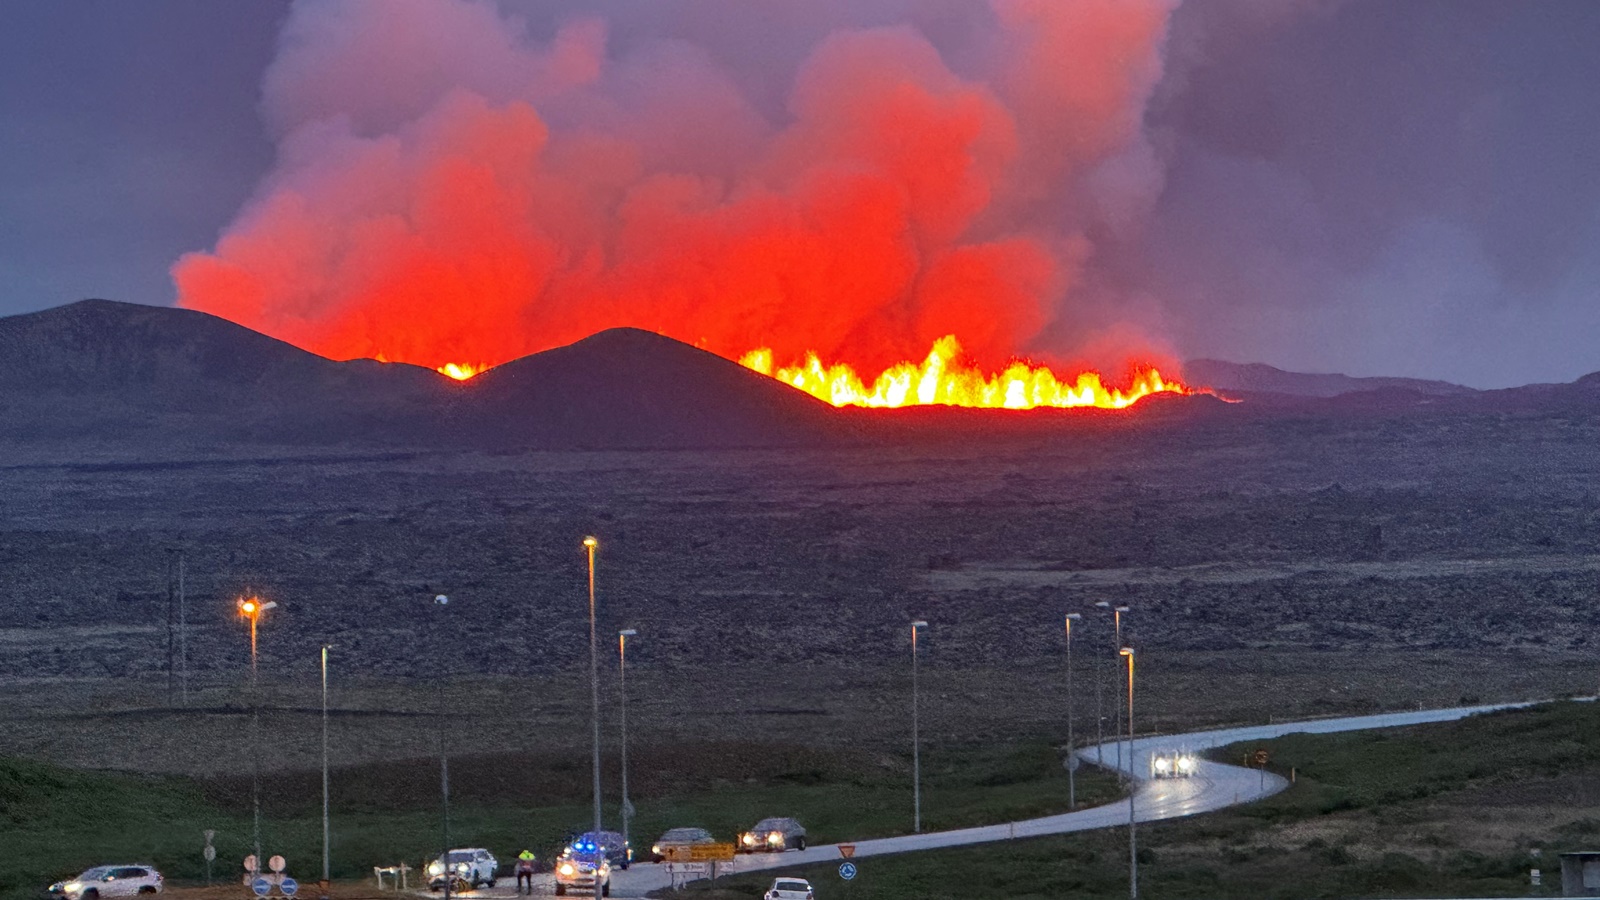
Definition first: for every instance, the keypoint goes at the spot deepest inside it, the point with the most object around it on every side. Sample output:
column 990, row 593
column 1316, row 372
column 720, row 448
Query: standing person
column 525, row 871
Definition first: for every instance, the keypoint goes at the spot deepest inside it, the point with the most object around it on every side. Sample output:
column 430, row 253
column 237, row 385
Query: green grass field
column 1455, row 809
column 57, row 822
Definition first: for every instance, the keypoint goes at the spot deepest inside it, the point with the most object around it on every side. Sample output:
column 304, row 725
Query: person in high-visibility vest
column 525, row 871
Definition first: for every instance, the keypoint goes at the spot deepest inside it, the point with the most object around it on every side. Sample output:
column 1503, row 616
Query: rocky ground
column 1275, row 565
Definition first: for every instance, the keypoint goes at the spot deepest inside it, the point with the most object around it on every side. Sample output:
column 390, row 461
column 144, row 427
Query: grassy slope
column 1454, row 809
column 57, row 822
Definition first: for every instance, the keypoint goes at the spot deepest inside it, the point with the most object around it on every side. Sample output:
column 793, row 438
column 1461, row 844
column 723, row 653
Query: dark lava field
column 1275, row 565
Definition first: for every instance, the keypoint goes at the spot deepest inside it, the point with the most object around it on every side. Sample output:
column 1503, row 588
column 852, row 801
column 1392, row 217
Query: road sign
column 209, row 853
column 710, row 852
column 1073, row 762
column 209, row 833
column 847, row 870
column 847, row 850
column 276, row 864
column 261, row 887
column 288, row 886
column 1260, row 757
column 691, row 868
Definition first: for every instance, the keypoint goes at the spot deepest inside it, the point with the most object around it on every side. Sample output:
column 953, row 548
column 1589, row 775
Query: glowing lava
column 460, row 371
column 943, row 379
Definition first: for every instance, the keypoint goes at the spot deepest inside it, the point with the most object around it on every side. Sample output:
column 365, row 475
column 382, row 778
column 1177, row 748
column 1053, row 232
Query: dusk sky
column 1367, row 187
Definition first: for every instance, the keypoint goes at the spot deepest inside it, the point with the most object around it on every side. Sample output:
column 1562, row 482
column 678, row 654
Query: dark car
column 616, row 850
column 678, row 838
column 772, row 834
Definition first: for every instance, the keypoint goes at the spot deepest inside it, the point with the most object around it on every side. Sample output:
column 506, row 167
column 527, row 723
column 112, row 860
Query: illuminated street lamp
column 251, row 608
column 1133, row 841
column 442, row 601
column 1072, row 747
column 622, row 691
column 327, row 840
column 916, row 737
column 590, row 545
column 1099, row 703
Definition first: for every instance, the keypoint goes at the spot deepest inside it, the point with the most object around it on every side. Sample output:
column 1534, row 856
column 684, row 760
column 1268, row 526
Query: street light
column 916, row 737
column 622, row 691
column 251, row 608
column 1117, row 717
column 590, row 545
column 327, row 845
column 1099, row 703
column 441, row 601
column 1072, row 747
column 1133, row 841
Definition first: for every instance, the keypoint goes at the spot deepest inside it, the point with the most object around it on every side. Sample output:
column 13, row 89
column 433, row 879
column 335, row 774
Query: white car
column 467, row 867
column 109, row 881
column 579, row 871
column 1173, row 764
column 789, row 889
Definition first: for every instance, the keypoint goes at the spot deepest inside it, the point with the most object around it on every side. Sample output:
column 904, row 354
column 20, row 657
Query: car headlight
column 749, row 840
column 72, row 887
column 434, row 868
column 655, row 849
column 462, row 867
column 566, row 868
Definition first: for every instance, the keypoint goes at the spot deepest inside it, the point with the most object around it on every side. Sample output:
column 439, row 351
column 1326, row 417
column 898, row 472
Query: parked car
column 772, row 834
column 679, row 838
column 789, row 889
column 578, row 870
column 466, row 868
column 109, row 881
column 617, row 851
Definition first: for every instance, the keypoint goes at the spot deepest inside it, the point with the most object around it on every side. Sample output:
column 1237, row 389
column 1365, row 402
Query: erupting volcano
column 946, row 379
column 458, row 187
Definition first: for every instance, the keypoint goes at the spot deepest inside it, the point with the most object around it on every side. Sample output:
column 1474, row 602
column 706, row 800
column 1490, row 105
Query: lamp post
column 1133, row 841
column 441, row 601
column 1117, row 717
column 327, row 839
column 1072, row 747
column 590, row 545
column 622, row 691
column 916, row 736
column 1099, row 703
column 251, row 608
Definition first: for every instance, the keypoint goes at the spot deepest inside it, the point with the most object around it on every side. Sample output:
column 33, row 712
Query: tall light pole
column 251, row 608
column 442, row 601
column 327, row 840
column 916, row 736
column 1072, row 746
column 1133, row 840
column 622, row 691
column 1099, row 702
column 1117, row 718
column 590, row 545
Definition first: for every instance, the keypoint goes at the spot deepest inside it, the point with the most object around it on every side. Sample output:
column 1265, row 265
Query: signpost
column 261, row 887
column 707, row 852
column 288, row 886
column 1260, row 758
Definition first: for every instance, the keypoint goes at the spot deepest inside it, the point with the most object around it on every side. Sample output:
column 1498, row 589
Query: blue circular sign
column 288, row 886
column 847, row 870
column 261, row 887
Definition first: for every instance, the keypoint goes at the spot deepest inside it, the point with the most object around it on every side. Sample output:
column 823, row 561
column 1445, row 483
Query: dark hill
column 1258, row 378
column 627, row 388
column 126, row 373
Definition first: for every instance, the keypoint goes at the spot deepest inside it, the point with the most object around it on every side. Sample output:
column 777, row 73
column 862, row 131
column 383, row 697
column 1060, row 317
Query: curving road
column 1213, row 786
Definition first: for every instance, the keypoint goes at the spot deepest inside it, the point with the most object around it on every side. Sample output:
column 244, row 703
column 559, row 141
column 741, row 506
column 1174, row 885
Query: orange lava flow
column 943, row 379
column 460, row 371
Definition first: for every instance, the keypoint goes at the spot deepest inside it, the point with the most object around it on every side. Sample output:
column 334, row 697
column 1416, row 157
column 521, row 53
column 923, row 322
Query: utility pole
column 172, row 638
column 183, row 634
column 444, row 760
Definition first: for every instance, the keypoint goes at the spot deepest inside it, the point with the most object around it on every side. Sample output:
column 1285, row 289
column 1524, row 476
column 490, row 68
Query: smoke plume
column 456, row 182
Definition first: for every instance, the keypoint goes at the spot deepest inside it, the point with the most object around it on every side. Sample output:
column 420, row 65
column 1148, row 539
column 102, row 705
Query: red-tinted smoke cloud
column 450, row 189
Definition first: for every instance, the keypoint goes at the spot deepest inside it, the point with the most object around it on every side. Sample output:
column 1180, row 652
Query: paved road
column 1214, row 786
